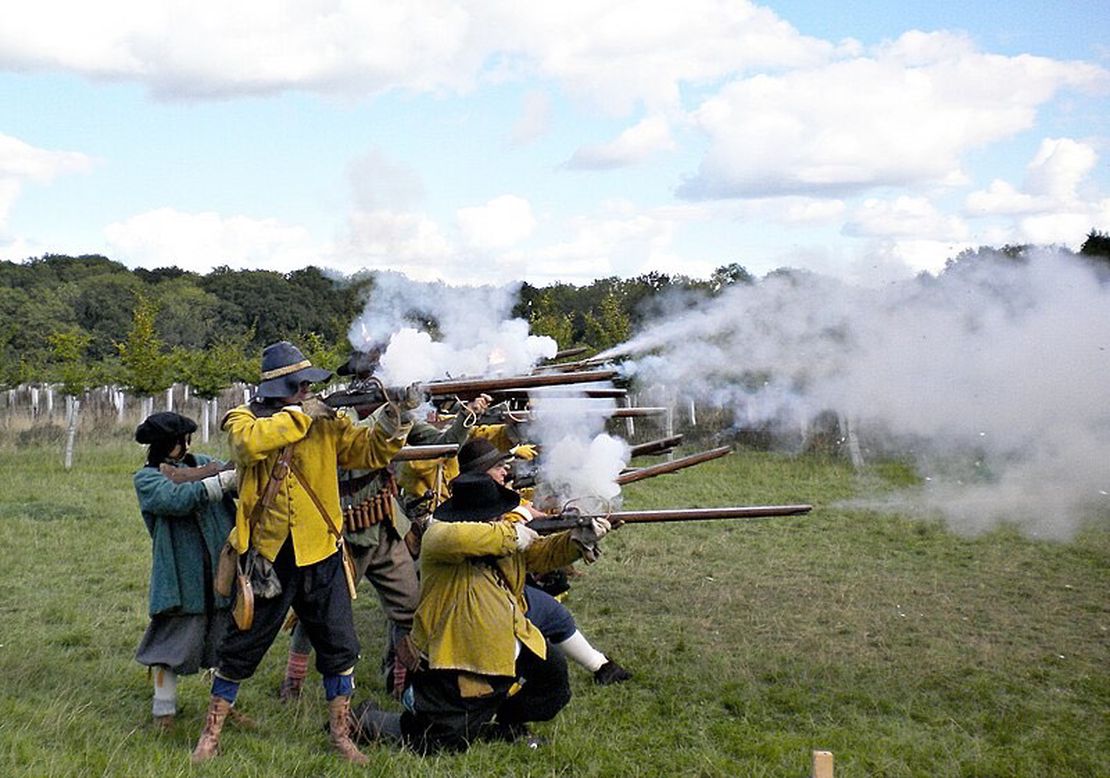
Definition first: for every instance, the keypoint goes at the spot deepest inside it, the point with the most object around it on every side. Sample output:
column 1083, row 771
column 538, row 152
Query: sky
column 478, row 142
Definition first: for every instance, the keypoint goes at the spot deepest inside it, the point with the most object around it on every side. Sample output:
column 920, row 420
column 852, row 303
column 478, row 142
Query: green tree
column 145, row 364
column 609, row 326
column 68, row 348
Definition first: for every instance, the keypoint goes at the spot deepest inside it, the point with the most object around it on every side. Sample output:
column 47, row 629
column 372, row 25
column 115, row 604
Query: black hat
column 165, row 425
column 283, row 369
column 362, row 361
column 479, row 455
column 476, row 497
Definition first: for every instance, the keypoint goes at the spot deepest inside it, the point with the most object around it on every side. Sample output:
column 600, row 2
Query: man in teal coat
column 186, row 509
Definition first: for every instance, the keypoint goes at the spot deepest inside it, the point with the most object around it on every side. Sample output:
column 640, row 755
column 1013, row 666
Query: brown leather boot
column 339, row 731
column 209, row 744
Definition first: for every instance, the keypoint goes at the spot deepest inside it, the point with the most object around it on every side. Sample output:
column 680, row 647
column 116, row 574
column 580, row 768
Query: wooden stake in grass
column 822, row 764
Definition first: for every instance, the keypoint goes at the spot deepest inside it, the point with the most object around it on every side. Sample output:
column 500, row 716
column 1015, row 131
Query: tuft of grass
column 904, row 649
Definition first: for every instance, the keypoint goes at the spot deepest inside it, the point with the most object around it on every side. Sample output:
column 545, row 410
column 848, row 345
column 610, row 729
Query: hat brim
column 450, row 510
column 486, row 461
column 288, row 385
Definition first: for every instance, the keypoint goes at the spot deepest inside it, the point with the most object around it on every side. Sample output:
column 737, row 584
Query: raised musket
column 669, row 467
column 565, row 521
column 469, row 388
column 375, row 393
column 660, row 446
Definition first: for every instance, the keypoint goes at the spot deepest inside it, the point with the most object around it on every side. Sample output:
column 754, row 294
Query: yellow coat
column 472, row 606
column 321, row 445
column 422, row 475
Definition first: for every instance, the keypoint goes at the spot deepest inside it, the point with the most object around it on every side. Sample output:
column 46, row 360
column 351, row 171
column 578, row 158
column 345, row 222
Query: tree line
column 87, row 320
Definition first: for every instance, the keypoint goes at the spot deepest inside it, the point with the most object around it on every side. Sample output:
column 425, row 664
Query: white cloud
column 634, row 145
column 407, row 242
column 907, row 217
column 616, row 54
column 1058, row 168
column 202, row 241
column 903, row 116
column 1049, row 208
column 535, row 118
column 502, row 222
column 21, row 162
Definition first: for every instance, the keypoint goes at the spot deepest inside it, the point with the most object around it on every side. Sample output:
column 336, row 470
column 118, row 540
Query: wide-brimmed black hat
column 479, row 455
column 365, row 362
column 165, row 425
column 476, row 497
column 284, row 367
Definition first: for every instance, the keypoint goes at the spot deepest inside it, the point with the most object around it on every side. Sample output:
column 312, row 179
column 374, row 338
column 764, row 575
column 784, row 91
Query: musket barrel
column 570, row 521
column 412, row 453
column 472, row 387
column 655, row 446
column 669, row 467
column 703, row 514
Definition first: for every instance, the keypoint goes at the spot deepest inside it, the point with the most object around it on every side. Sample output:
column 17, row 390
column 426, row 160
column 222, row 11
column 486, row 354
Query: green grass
column 901, row 647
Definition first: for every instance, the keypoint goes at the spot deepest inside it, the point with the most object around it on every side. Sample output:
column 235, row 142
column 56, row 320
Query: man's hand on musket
column 479, row 404
column 317, row 408
column 588, row 536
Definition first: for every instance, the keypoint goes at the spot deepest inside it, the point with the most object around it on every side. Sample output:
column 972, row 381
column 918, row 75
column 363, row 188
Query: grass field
column 904, row 649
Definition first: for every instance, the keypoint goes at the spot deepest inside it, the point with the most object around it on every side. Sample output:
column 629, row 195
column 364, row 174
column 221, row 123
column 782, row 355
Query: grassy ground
column 905, row 650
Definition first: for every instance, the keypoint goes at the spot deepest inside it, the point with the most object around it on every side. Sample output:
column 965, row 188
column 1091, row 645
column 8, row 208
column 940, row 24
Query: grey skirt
column 184, row 644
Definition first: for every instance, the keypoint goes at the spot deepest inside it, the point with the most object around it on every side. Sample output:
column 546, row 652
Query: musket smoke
column 1005, row 360
column 474, row 334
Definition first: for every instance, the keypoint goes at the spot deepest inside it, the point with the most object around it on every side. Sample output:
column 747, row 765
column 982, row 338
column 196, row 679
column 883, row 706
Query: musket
column 669, row 467
column 571, row 520
column 660, row 446
column 569, row 352
column 562, row 392
column 501, row 415
column 413, row 453
column 374, row 393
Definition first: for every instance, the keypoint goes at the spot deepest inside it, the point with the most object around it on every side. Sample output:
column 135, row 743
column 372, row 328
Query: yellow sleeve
column 497, row 434
column 456, row 541
column 365, row 448
column 551, row 552
column 252, row 439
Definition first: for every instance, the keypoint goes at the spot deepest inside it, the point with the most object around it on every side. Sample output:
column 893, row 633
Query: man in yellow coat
column 290, row 545
column 471, row 627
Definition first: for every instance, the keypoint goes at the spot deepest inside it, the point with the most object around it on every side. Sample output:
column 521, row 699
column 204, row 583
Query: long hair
column 159, row 451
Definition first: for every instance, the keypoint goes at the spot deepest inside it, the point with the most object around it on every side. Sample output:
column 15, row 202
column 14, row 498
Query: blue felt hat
column 284, row 367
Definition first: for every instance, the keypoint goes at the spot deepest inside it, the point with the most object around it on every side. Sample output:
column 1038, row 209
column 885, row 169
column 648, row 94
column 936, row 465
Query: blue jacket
column 186, row 530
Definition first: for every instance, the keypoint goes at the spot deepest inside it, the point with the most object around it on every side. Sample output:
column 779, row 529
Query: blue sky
column 498, row 141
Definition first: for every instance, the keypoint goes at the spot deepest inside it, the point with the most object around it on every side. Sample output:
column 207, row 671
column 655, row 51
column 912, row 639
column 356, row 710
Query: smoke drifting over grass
column 435, row 331
column 999, row 362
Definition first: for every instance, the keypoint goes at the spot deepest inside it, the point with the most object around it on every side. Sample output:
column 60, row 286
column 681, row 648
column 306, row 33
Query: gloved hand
column 413, row 397
column 526, row 451
column 525, row 535
column 229, row 480
column 217, row 485
column 317, row 408
column 588, row 536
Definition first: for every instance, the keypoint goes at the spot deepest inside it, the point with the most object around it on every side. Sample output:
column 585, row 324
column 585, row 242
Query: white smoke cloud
column 474, row 334
column 1000, row 360
column 580, row 462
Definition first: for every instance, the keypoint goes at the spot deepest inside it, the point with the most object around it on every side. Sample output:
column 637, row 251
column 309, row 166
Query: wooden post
column 822, row 764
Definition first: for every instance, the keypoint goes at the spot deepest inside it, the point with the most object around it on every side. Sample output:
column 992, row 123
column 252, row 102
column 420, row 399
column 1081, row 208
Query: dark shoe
column 610, row 673
column 290, row 689
column 164, row 724
column 519, row 734
column 369, row 724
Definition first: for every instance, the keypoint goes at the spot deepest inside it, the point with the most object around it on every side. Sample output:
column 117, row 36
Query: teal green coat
column 187, row 532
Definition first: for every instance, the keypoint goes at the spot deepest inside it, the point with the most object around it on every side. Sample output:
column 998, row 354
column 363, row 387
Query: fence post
column 822, row 764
